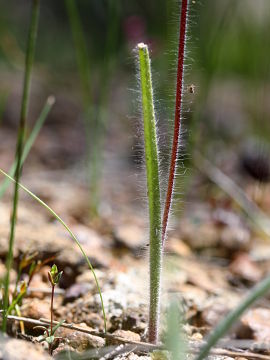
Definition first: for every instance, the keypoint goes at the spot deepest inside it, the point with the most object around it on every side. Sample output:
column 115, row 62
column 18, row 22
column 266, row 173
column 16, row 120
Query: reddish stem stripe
column 177, row 117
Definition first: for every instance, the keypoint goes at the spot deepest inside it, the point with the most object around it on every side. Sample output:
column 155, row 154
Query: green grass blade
column 153, row 190
column 29, row 60
column 257, row 292
column 57, row 217
column 81, row 50
column 174, row 336
column 29, row 143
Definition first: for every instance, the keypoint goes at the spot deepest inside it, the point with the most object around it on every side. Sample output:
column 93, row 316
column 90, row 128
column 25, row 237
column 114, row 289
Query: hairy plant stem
column 19, row 148
column 258, row 291
column 177, row 117
column 153, row 189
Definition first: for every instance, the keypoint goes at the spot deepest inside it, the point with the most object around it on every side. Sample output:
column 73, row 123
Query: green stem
column 83, row 65
column 81, row 50
column 100, row 116
column 19, row 148
column 29, row 142
column 15, row 302
column 57, row 217
column 52, row 296
column 257, row 292
column 153, row 190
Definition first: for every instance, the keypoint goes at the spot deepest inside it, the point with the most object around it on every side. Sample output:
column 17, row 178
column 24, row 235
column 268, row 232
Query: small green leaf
column 57, row 326
column 54, row 276
column 50, row 339
column 40, row 338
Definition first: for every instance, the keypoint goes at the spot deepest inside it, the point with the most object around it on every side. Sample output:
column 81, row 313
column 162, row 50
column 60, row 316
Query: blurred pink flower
column 134, row 28
column 135, row 32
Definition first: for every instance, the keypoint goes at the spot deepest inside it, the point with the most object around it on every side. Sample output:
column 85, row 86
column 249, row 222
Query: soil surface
column 213, row 254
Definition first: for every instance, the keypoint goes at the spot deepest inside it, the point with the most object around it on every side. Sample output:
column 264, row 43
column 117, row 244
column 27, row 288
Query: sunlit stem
column 153, row 189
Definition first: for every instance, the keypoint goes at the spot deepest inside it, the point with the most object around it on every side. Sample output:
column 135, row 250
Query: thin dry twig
column 147, row 347
column 242, row 354
column 46, row 322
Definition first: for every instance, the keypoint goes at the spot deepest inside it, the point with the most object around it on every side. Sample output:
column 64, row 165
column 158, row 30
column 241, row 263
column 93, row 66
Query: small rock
column 245, row 268
column 199, row 235
column 79, row 340
column 36, row 308
column 76, row 290
column 132, row 356
column 63, row 348
column 235, row 238
column 256, row 323
column 133, row 319
column 178, row 247
column 126, row 335
column 197, row 336
column 130, row 236
column 212, row 314
column 14, row 349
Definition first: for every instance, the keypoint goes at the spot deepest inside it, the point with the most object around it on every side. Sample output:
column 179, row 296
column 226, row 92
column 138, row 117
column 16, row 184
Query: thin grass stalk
column 100, row 115
column 95, row 121
column 58, row 218
column 83, row 64
column 177, row 116
column 19, row 148
column 29, row 142
column 81, row 50
column 257, row 292
column 153, row 190
column 92, row 126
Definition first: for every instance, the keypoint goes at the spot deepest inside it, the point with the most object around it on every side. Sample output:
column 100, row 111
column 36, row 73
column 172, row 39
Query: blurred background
column 85, row 58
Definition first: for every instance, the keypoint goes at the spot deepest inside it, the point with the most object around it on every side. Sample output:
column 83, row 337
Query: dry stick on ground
column 257, row 216
column 178, row 116
column 143, row 346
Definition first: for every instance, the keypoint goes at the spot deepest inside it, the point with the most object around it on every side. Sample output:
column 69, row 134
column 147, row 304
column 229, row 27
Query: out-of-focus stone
column 256, row 323
column 199, row 235
column 245, row 268
column 79, row 340
column 63, row 349
column 14, row 349
column 36, row 308
column 124, row 334
column 235, row 238
column 76, row 290
column 130, row 236
column 132, row 356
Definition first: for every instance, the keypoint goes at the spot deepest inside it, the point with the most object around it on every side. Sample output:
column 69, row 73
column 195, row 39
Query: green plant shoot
column 19, row 147
column 57, row 217
column 153, row 189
